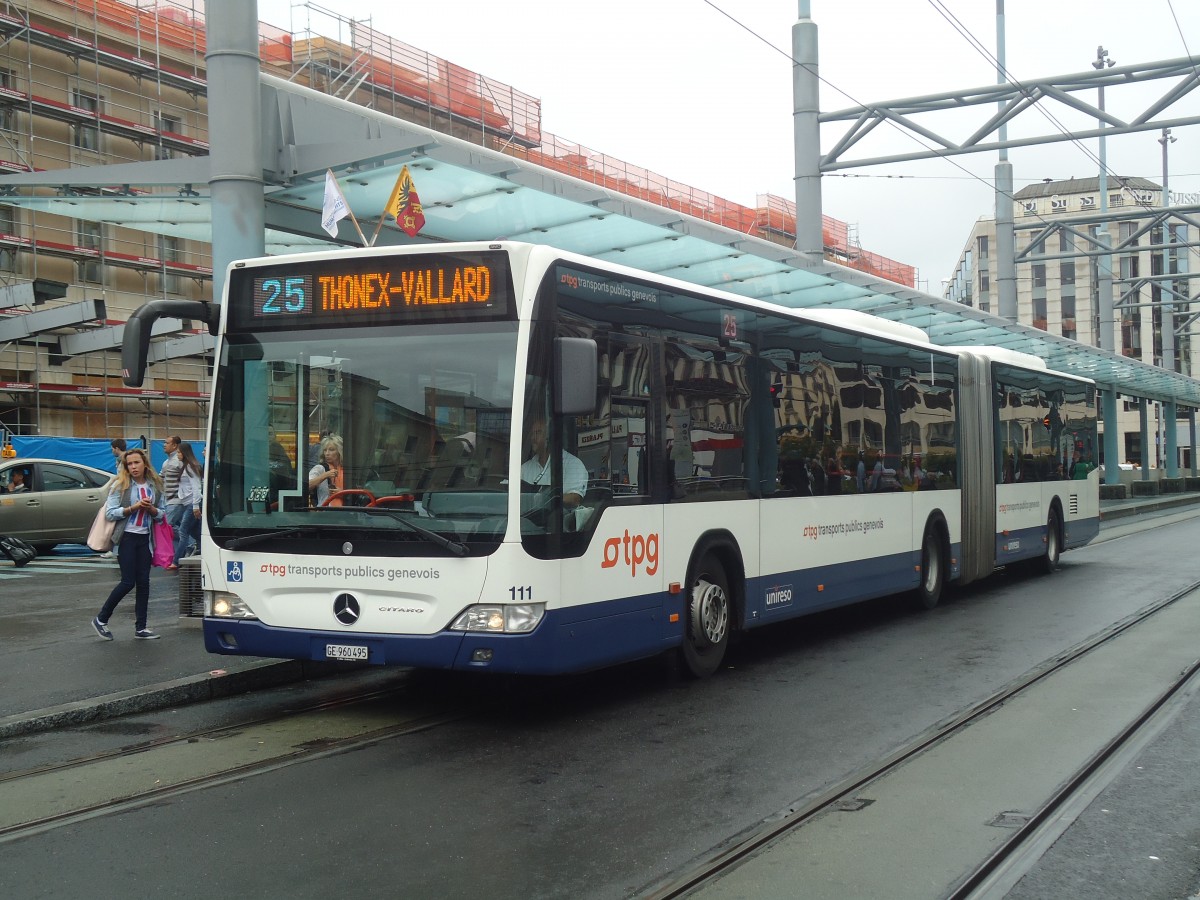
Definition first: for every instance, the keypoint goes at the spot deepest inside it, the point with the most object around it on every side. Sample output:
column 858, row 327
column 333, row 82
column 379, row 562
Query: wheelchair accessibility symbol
column 233, row 571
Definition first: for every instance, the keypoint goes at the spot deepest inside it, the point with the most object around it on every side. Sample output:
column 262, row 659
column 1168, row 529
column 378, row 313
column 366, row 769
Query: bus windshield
column 352, row 433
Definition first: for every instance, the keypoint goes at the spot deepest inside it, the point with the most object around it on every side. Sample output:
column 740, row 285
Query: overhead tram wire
column 989, row 184
column 966, row 33
column 958, row 177
column 1182, row 37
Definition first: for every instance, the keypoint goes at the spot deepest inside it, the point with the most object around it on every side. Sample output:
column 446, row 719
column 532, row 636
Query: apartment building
column 1058, row 275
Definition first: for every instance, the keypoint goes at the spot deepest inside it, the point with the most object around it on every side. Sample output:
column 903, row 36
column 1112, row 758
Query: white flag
column 334, row 208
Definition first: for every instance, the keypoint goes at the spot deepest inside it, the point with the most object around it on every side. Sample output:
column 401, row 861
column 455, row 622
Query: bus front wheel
column 708, row 615
column 933, row 570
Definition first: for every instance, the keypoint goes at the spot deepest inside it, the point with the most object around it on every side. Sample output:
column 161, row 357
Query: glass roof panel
column 668, row 257
column 518, row 200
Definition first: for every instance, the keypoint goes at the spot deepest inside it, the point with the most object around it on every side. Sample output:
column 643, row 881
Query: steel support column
column 235, row 128
column 1144, row 419
column 1172, row 448
column 1191, row 417
column 1006, row 266
column 810, row 243
column 1112, row 433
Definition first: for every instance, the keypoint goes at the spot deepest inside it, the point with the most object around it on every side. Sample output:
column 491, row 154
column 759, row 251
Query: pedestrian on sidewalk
column 191, row 483
column 135, row 503
column 172, row 468
column 118, row 450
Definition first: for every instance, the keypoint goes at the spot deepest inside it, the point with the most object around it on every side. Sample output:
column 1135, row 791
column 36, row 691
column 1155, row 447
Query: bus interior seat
column 449, row 469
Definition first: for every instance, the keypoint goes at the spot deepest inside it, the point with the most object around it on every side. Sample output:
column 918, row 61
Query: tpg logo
column 638, row 549
column 273, row 569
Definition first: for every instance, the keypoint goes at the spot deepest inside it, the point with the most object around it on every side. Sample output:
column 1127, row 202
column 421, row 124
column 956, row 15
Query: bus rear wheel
column 708, row 616
column 1048, row 561
column 933, row 570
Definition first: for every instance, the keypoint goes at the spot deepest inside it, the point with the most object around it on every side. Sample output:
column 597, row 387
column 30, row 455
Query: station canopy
column 471, row 193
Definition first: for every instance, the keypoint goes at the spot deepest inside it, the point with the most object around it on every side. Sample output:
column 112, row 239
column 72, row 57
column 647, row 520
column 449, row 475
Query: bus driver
column 536, row 469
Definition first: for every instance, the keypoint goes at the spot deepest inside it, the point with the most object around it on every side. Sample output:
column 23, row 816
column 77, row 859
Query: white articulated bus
column 550, row 463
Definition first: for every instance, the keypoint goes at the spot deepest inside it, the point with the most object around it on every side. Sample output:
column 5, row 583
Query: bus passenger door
column 617, row 529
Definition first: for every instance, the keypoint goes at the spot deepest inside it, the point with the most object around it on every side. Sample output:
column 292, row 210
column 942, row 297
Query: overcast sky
column 701, row 92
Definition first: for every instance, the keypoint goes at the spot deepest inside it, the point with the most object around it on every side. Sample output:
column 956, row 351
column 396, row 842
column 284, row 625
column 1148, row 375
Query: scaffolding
column 89, row 83
column 346, row 58
column 99, row 82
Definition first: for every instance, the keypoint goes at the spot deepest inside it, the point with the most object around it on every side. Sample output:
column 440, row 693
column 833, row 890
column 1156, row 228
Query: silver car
column 54, row 502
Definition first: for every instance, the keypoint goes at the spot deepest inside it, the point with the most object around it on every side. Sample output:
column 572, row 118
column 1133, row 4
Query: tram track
column 77, row 790
column 1019, row 851
column 342, row 700
column 997, row 874
column 424, row 712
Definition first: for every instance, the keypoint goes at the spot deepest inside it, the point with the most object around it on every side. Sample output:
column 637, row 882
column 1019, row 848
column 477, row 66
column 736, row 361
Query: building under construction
column 101, row 82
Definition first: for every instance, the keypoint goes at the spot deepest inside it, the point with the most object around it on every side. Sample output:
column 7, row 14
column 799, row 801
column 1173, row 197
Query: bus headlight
column 225, row 605
column 501, row 618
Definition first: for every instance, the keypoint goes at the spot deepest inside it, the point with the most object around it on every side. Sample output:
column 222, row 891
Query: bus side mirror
column 135, row 347
column 575, row 376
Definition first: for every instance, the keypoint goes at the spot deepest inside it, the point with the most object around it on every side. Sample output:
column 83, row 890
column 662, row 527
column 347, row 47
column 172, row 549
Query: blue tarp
column 95, row 452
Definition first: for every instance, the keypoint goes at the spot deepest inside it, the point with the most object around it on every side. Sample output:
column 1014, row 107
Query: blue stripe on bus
column 573, row 639
column 1030, row 543
column 1080, row 532
column 250, row 637
column 570, row 639
column 594, row 635
column 773, row 598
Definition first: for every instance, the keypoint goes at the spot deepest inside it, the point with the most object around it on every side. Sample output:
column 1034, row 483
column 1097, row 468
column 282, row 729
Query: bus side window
column 707, row 400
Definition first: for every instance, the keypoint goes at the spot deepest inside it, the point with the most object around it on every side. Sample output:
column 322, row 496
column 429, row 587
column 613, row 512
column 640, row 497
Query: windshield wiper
column 458, row 548
column 250, row 539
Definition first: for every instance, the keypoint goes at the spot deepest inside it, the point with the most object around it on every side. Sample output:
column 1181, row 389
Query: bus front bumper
column 562, row 642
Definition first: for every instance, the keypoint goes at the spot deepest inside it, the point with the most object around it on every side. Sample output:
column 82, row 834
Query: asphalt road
column 598, row 786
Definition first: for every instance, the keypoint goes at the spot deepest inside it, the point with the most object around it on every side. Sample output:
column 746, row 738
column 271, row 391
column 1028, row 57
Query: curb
column 190, row 689
column 1144, row 505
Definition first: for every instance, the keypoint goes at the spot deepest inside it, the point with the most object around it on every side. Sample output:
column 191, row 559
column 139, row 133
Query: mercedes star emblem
column 346, row 609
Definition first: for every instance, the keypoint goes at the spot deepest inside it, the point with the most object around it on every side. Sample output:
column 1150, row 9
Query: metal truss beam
column 1018, row 98
column 1154, row 216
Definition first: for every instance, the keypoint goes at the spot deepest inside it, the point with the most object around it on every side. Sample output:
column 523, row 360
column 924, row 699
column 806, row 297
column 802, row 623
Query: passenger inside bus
column 1080, row 466
column 834, row 474
column 327, row 476
column 282, row 475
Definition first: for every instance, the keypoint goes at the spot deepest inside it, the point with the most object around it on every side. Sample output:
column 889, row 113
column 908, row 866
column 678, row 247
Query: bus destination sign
column 377, row 290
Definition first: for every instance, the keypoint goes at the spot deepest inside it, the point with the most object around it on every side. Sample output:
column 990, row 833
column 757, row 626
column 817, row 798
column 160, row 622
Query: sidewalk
column 1133, row 506
column 56, row 672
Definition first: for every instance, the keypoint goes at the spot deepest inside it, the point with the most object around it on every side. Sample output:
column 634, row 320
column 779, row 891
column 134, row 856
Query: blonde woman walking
column 135, row 502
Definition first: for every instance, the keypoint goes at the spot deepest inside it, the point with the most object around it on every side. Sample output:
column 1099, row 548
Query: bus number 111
column 521, row 593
